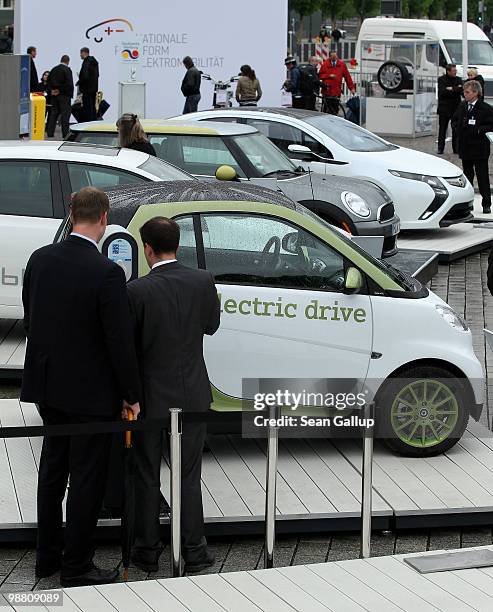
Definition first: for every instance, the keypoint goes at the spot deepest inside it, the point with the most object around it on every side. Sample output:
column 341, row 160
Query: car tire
column 394, row 76
column 422, row 412
column 342, row 222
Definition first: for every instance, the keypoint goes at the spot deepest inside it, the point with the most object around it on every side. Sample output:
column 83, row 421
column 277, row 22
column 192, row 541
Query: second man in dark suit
column 172, row 308
column 88, row 83
column 61, row 86
column 80, row 366
column 449, row 98
column 472, row 120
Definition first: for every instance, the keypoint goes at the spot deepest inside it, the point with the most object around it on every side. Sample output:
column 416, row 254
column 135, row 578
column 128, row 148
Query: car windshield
column 480, row 52
column 263, row 154
column 389, row 270
column 349, row 135
column 165, row 171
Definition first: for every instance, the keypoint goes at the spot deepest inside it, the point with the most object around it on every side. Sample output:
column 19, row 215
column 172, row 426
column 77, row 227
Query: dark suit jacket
column 80, row 355
column 89, row 75
column 172, row 308
column 61, row 78
column 33, row 82
column 471, row 139
column 449, row 100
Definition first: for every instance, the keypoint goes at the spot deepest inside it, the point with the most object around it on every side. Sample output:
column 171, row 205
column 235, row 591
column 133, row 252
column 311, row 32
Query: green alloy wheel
column 422, row 412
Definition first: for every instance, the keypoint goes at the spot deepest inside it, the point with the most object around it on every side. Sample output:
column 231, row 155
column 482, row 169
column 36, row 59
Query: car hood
column 408, row 160
column 329, row 187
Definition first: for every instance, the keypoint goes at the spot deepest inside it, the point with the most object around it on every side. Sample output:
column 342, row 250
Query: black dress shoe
column 45, row 571
column 94, row 576
column 486, row 211
column 439, row 152
column 199, row 563
column 146, row 565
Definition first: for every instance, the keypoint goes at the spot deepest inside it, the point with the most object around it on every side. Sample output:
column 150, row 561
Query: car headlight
column 452, row 318
column 355, row 204
column 457, row 181
column 433, row 181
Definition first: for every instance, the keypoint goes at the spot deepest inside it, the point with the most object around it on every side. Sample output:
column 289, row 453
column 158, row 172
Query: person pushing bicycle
column 332, row 72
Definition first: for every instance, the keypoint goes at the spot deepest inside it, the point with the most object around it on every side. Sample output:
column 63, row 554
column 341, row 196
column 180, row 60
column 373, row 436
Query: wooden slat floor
column 12, row 345
column 380, row 584
column 317, row 478
column 448, row 242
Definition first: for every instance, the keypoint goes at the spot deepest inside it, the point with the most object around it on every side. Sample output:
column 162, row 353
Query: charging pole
column 175, row 465
column 366, row 485
column 270, row 492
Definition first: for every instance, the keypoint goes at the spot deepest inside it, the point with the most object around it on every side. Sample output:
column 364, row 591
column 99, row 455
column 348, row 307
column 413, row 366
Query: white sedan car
column 36, row 180
column 428, row 192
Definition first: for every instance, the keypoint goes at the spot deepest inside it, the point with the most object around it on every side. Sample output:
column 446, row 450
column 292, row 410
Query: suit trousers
column 480, row 167
column 149, row 447
column 83, row 459
column 443, row 121
column 191, row 104
column 89, row 106
column 60, row 107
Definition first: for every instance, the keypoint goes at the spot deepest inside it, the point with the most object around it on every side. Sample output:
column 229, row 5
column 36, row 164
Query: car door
column 284, row 315
column 283, row 135
column 30, row 213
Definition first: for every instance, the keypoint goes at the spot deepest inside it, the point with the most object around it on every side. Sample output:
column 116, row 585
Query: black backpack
column 309, row 82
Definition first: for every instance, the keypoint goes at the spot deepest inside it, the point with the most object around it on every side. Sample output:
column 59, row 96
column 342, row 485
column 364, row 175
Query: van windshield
column 480, row 52
column 349, row 135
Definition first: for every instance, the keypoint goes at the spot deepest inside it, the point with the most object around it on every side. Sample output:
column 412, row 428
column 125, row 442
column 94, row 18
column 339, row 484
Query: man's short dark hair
column 89, row 205
column 187, row 61
column 30, row 50
column 85, row 50
column 449, row 67
column 65, row 59
column 161, row 234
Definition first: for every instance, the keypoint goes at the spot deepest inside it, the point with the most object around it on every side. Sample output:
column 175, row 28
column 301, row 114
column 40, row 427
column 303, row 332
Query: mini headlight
column 355, row 204
column 452, row 318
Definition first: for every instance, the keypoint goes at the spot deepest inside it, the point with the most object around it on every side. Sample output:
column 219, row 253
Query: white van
column 448, row 34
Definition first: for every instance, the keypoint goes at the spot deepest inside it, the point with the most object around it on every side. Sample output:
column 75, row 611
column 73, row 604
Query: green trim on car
column 154, row 128
column 175, row 209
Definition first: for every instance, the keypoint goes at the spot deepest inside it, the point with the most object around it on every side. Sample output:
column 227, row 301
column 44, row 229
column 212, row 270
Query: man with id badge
column 472, row 120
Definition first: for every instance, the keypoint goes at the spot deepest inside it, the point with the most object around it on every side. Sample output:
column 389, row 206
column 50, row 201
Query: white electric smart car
column 36, row 180
column 428, row 192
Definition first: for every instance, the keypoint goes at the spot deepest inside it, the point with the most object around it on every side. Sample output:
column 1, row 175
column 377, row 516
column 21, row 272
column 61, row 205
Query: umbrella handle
column 128, row 434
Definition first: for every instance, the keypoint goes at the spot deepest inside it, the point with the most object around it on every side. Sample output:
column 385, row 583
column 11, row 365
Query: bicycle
column 332, row 106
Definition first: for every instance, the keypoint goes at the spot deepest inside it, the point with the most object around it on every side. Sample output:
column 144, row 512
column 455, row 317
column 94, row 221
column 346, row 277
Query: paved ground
column 463, row 285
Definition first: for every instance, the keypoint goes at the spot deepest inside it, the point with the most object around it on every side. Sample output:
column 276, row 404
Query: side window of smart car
column 187, row 253
column 87, row 175
column 200, row 155
column 25, row 188
column 246, row 249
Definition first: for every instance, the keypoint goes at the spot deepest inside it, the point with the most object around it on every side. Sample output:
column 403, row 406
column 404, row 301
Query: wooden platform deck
column 12, row 346
column 450, row 243
column 319, row 483
column 380, row 584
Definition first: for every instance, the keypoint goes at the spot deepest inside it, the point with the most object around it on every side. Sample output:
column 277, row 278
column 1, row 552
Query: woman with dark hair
column 131, row 134
column 248, row 90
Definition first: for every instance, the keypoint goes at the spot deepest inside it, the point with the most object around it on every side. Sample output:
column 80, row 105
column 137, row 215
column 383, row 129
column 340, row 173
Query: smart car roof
column 125, row 200
column 164, row 126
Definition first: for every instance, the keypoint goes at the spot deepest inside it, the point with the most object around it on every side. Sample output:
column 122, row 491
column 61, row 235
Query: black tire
column 394, row 76
column 390, row 414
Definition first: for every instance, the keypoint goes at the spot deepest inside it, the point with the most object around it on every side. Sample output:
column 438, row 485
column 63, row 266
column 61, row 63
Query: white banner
column 219, row 35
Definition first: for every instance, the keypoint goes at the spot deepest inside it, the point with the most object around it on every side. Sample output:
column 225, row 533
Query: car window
column 348, row 135
column 164, row 171
column 223, row 119
column 25, row 188
column 87, row 175
column 251, row 249
column 281, row 134
column 200, row 155
column 264, row 156
column 187, row 252
column 100, row 138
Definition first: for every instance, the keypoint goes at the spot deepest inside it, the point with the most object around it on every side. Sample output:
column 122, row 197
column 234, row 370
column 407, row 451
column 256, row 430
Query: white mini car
column 36, row 180
column 428, row 192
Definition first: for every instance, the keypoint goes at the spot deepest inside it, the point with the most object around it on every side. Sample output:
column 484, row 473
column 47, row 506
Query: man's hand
column 55, row 92
column 353, row 90
column 134, row 408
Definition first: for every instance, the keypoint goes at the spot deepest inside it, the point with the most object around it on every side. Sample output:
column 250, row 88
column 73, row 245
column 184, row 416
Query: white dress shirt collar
column 85, row 238
column 161, row 263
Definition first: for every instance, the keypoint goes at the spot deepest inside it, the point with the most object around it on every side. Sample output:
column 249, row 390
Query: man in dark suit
column 472, row 120
column 80, row 366
column 61, row 84
column 172, row 308
column 33, row 73
column 449, row 98
column 88, row 83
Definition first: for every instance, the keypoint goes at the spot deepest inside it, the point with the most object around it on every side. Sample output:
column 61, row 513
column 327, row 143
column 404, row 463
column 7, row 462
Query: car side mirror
column 226, row 173
column 353, row 281
column 300, row 150
column 290, row 243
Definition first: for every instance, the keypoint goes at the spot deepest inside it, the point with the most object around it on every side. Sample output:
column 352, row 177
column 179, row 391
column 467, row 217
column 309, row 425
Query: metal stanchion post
column 270, row 493
column 175, row 466
column 366, row 485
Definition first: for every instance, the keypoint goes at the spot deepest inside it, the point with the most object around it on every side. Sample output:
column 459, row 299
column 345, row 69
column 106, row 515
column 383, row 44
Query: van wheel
column 393, row 76
column 422, row 412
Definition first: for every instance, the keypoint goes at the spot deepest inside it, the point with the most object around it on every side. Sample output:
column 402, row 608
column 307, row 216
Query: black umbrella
column 128, row 514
